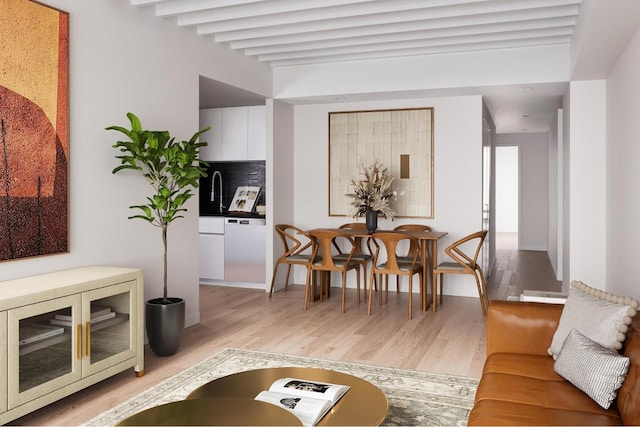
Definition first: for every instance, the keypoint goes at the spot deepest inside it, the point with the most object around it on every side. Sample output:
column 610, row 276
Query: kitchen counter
column 234, row 214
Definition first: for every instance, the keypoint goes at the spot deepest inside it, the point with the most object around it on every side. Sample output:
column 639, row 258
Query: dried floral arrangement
column 373, row 193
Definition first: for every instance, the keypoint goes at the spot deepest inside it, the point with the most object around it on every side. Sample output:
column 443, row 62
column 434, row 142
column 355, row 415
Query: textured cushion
column 596, row 370
column 600, row 316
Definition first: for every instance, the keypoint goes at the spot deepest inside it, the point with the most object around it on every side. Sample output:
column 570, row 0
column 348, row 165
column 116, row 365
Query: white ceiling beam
column 177, row 7
column 146, row 2
column 459, row 26
column 550, row 36
column 241, row 12
column 334, row 29
column 383, row 13
column 417, row 52
column 505, row 27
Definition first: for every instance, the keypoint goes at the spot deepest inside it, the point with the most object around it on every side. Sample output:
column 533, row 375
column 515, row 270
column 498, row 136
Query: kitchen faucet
column 213, row 188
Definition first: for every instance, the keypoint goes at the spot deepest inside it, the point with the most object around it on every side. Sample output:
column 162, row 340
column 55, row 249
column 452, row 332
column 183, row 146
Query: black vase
column 165, row 322
column 372, row 221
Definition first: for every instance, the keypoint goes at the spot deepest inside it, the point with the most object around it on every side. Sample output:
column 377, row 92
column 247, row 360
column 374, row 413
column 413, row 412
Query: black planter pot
column 165, row 323
column 372, row 221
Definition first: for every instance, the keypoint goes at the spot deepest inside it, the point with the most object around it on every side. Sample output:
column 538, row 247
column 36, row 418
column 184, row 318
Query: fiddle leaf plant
column 171, row 167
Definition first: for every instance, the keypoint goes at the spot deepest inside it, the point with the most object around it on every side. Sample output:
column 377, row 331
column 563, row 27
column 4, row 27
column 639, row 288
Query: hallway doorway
column 507, row 197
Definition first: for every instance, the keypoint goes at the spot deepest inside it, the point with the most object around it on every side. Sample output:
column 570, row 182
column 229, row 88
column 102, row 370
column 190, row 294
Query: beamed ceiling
column 294, row 32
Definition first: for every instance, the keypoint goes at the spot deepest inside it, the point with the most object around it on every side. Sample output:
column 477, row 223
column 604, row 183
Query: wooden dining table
column 428, row 249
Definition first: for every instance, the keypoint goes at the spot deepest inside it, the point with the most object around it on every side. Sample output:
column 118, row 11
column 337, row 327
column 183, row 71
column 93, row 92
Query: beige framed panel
column 3, row 361
column 401, row 139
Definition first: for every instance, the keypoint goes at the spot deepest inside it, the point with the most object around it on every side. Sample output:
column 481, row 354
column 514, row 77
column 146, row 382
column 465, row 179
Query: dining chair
column 324, row 260
column 463, row 263
column 390, row 241
column 414, row 246
column 359, row 255
column 297, row 251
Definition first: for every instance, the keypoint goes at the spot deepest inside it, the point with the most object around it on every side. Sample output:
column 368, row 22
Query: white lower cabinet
column 67, row 330
column 211, row 254
column 211, row 248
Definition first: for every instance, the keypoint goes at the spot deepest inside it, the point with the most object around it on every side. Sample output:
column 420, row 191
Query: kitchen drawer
column 211, row 224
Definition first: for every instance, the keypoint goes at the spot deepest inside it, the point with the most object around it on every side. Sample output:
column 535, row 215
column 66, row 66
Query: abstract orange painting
column 34, row 134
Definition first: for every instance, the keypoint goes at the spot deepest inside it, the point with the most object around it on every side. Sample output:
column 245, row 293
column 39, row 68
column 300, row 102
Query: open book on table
column 308, row 400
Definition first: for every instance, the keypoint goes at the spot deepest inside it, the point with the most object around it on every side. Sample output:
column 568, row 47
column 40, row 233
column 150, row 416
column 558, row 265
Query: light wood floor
column 450, row 341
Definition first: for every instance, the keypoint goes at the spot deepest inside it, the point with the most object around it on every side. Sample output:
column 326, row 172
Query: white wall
column 623, row 173
column 424, row 72
column 280, row 181
column 507, row 185
column 126, row 59
column 457, row 173
column 533, row 187
column 555, row 196
column 587, row 215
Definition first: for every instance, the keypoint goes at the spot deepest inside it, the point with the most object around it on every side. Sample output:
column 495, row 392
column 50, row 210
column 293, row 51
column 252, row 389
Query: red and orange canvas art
column 34, row 137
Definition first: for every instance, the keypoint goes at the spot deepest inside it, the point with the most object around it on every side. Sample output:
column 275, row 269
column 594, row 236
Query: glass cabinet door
column 108, row 327
column 44, row 348
column 3, row 361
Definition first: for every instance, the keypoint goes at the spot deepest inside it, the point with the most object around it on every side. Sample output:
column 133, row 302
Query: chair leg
column 358, row 282
column 386, row 288
column 480, row 297
column 441, row 286
column 344, row 289
column 434, row 293
column 286, row 279
column 423, row 303
column 410, row 296
column 307, row 288
column 482, row 292
column 483, row 282
column 273, row 279
column 364, row 277
column 370, row 292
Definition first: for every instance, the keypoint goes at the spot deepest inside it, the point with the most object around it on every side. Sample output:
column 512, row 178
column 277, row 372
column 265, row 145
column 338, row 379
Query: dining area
column 404, row 257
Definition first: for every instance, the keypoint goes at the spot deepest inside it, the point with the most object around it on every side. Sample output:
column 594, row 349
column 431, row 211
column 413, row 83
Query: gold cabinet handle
column 88, row 350
column 79, row 341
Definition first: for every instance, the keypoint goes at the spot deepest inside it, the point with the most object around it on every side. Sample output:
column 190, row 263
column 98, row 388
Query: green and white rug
column 415, row 398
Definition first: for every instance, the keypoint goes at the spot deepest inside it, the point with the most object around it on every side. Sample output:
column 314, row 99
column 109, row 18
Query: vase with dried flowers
column 372, row 195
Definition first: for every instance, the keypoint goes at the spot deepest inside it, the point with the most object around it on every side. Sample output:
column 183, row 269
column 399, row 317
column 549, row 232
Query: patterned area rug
column 415, row 398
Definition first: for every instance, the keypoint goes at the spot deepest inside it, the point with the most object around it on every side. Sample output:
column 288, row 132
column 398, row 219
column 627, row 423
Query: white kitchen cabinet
column 256, row 133
column 211, row 257
column 211, row 248
column 211, row 117
column 235, row 123
column 64, row 331
column 238, row 133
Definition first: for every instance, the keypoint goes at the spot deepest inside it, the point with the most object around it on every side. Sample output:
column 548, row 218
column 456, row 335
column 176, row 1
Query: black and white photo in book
column 244, row 199
column 308, row 400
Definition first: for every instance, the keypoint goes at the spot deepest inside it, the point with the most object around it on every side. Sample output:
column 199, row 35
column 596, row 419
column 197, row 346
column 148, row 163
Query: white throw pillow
column 598, row 315
column 596, row 370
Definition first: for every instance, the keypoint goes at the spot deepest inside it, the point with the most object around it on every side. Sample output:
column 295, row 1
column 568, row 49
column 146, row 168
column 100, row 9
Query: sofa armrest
column 521, row 327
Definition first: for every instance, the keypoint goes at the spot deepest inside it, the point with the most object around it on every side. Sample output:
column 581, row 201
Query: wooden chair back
column 390, row 240
column 324, row 244
column 294, row 240
column 414, row 246
column 469, row 262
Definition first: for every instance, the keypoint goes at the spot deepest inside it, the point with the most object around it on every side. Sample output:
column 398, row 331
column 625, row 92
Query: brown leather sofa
column 519, row 386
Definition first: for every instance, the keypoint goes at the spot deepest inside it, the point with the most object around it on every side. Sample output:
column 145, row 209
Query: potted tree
column 173, row 170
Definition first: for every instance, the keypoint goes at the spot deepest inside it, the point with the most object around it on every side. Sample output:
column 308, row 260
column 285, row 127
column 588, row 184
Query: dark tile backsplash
column 234, row 175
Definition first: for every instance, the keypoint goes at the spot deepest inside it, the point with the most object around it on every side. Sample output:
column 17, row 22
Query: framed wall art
column 34, row 141
column 401, row 140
